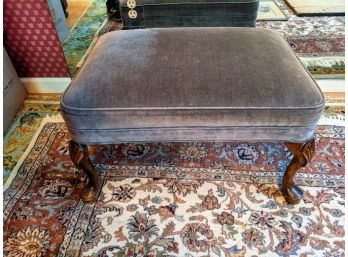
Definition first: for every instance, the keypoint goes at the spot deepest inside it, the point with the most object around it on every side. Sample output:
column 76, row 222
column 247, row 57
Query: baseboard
column 331, row 85
column 45, row 85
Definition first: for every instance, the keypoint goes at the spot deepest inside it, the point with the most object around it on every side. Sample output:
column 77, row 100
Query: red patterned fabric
column 31, row 40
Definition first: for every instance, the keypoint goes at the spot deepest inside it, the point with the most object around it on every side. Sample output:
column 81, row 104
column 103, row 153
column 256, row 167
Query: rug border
column 45, row 120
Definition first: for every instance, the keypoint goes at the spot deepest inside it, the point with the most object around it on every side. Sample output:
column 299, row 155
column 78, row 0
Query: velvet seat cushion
column 182, row 84
column 190, row 13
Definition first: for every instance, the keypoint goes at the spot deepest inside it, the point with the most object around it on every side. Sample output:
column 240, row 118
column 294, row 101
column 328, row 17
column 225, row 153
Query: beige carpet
column 316, row 7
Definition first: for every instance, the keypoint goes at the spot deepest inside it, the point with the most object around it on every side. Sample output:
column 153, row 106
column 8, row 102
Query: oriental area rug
column 174, row 199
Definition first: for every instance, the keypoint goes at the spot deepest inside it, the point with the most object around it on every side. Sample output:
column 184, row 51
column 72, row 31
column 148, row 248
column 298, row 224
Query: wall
column 31, row 40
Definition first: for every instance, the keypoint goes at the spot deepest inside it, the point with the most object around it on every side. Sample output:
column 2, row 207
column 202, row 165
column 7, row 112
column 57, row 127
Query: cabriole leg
column 303, row 153
column 80, row 157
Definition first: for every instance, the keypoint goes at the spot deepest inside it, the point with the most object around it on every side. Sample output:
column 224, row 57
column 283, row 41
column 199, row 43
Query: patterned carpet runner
column 82, row 34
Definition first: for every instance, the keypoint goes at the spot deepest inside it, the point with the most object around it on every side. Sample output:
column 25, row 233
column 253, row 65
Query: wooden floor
column 76, row 8
column 316, row 7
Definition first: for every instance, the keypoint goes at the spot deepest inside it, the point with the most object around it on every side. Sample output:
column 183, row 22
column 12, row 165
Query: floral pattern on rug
column 30, row 241
column 156, row 210
column 309, row 28
column 318, row 41
column 258, row 162
column 145, row 217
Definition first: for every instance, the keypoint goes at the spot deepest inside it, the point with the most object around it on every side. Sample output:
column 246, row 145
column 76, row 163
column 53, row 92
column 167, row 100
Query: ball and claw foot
column 88, row 195
column 302, row 154
column 292, row 194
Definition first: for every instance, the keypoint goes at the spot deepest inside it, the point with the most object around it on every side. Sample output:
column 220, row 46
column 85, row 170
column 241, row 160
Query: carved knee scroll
column 303, row 153
column 80, row 157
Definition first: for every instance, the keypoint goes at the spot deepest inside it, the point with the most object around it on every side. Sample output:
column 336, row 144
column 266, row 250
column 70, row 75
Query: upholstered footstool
column 192, row 84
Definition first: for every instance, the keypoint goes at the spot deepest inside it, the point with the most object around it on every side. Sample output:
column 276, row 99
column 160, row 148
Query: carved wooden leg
column 80, row 157
column 303, row 153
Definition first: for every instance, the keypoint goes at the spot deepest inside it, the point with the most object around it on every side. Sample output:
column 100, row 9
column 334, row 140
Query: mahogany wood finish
column 303, row 153
column 79, row 155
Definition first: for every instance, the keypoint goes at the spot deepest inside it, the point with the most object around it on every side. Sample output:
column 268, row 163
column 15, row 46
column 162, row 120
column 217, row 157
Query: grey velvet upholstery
column 190, row 13
column 184, row 84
